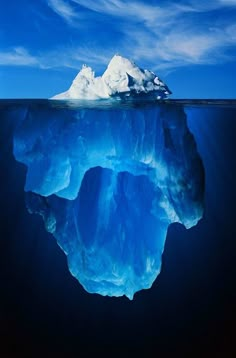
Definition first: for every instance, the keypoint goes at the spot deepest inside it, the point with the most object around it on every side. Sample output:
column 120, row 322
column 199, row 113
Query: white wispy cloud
column 119, row 8
column 137, row 12
column 70, row 57
column 227, row 2
column 167, row 35
column 63, row 9
column 74, row 57
column 18, row 56
column 182, row 47
column 164, row 36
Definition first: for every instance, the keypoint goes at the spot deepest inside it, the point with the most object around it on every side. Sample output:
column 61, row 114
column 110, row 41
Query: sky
column 189, row 44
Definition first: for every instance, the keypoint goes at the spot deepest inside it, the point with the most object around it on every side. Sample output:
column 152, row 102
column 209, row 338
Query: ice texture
column 108, row 183
column 122, row 78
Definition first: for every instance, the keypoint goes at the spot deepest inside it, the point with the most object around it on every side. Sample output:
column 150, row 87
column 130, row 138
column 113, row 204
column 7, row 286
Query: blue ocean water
column 198, row 262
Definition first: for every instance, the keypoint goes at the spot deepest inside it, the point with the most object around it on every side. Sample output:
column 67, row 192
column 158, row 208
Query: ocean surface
column 190, row 308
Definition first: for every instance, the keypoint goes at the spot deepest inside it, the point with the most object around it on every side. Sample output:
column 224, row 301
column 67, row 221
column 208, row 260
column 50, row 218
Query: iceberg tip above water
column 121, row 79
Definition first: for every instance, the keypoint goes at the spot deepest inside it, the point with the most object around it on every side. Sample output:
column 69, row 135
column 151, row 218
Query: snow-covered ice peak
column 122, row 78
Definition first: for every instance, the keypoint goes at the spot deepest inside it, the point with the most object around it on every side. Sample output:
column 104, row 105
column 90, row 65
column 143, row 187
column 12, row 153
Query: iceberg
column 109, row 180
column 121, row 79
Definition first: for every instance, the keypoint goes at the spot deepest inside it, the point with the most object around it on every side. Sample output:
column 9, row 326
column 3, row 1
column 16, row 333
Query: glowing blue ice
column 107, row 183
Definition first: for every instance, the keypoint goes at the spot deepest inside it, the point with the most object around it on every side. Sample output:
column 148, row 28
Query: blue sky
column 190, row 44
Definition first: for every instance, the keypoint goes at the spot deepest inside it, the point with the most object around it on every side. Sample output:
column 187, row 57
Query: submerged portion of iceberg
column 122, row 78
column 108, row 183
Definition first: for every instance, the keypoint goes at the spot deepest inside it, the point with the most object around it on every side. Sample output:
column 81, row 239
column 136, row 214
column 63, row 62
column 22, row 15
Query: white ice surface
column 121, row 78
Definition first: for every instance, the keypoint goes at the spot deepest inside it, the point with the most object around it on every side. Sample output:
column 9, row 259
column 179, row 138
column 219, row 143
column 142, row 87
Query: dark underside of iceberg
column 108, row 181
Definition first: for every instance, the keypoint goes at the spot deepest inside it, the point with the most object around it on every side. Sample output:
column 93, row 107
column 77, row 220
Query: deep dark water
column 189, row 310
